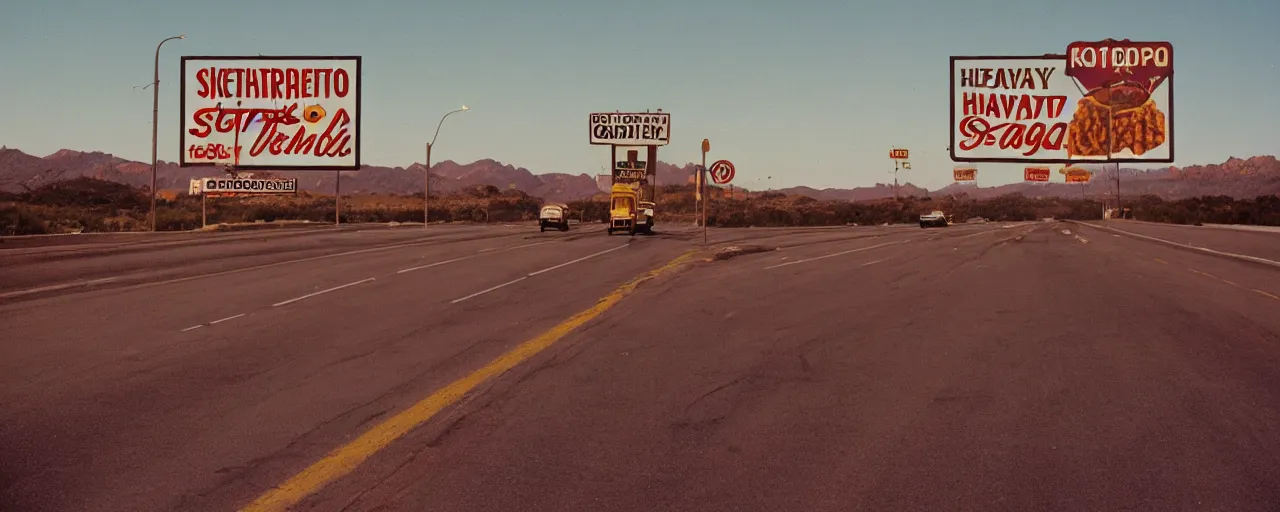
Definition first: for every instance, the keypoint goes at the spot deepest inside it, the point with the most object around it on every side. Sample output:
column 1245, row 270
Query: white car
column 934, row 218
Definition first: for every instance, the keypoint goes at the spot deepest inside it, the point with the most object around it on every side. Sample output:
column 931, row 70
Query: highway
column 999, row 366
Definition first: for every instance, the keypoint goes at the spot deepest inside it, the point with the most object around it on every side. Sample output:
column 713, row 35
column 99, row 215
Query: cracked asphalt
column 1021, row 366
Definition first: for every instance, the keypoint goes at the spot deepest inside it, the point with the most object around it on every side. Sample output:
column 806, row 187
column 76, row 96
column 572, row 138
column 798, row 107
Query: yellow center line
column 1158, row 260
column 347, row 458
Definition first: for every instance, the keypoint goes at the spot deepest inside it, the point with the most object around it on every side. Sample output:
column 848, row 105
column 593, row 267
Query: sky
column 805, row 92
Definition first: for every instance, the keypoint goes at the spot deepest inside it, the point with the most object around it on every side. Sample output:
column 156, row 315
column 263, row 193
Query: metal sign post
column 702, row 186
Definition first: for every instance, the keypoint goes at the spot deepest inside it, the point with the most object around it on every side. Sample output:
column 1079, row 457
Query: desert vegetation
column 92, row 205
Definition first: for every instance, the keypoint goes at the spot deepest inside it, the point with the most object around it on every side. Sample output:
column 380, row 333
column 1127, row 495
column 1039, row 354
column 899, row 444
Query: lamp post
column 155, row 129
column 426, row 191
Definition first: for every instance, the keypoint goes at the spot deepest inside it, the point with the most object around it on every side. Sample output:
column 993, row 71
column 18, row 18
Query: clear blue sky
column 808, row 92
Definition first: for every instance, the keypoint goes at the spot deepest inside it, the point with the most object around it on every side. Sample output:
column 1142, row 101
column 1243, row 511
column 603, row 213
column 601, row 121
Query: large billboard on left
column 294, row 113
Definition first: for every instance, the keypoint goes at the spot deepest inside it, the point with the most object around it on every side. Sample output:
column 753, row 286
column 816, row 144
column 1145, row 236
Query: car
column 935, row 218
column 555, row 216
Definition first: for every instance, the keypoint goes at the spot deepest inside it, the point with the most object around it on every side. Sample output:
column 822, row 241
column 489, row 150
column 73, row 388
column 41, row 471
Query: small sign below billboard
column 630, row 129
column 631, row 170
column 1036, row 174
column 1077, row 175
column 965, row 174
column 248, row 186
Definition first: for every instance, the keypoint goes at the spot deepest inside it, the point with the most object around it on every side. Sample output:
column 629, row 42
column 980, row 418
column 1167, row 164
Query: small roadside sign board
column 698, row 172
column 898, row 154
column 228, row 187
column 1036, row 174
column 722, row 172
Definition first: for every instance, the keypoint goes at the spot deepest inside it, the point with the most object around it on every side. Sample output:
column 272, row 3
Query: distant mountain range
column 19, row 171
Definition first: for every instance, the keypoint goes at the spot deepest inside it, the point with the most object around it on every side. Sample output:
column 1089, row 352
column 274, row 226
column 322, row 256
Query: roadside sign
column 698, row 172
column 1036, row 174
column 965, row 174
column 898, row 154
column 722, row 172
column 221, row 187
column 706, row 145
column 630, row 129
column 1077, row 175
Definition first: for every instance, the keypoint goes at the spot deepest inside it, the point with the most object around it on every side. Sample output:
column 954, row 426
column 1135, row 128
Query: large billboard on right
column 1107, row 101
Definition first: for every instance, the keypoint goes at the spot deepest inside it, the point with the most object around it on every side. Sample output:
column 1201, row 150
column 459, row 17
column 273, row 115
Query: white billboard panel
column 1028, row 109
column 630, row 129
column 296, row 113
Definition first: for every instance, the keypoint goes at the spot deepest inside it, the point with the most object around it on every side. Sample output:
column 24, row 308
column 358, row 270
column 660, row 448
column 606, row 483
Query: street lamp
column 426, row 193
column 155, row 129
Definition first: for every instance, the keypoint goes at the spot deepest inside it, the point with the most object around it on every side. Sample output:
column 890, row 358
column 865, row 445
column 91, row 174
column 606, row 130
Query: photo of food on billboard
column 1108, row 101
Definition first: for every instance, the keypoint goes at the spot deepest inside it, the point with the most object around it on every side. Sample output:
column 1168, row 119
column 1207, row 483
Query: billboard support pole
column 426, row 187
column 702, row 190
column 895, row 180
column 1111, row 143
column 155, row 120
column 204, row 210
column 337, row 198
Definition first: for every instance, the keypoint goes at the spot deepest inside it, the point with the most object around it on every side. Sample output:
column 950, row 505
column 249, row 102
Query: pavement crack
column 453, row 426
column 804, row 363
column 713, row 391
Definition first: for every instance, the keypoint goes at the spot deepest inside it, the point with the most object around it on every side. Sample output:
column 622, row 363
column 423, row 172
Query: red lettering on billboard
column 272, row 83
column 282, row 133
column 1101, row 63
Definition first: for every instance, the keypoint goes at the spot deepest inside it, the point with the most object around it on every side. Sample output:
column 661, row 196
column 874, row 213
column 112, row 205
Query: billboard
column 1107, row 101
column 898, row 154
column 295, row 113
column 631, row 129
column 1036, row 174
column 965, row 174
column 1077, row 175
column 247, row 186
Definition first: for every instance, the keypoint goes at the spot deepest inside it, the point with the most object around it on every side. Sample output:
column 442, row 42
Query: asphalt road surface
column 1024, row 366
